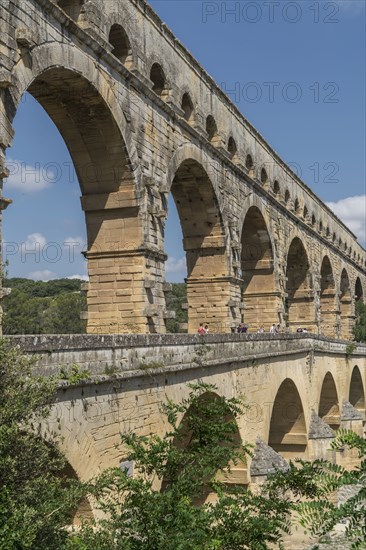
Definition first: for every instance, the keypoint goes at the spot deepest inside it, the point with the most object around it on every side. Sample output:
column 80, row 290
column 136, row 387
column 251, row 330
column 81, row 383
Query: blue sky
column 296, row 70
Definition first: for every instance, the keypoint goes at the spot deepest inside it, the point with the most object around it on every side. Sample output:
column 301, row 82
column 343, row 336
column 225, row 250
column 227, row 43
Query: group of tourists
column 243, row 329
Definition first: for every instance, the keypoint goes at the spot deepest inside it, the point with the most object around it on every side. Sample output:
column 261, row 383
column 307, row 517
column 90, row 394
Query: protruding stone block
column 151, row 311
column 25, row 37
column 167, row 287
column 6, row 79
column 168, row 314
column 149, row 283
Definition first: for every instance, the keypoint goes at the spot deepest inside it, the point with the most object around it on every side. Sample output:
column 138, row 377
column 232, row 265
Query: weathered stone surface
column 349, row 412
column 266, row 461
column 143, row 119
column 319, row 429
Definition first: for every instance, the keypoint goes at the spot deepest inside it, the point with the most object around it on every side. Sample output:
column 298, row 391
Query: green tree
column 36, row 499
column 36, row 307
column 174, row 301
column 359, row 330
column 63, row 315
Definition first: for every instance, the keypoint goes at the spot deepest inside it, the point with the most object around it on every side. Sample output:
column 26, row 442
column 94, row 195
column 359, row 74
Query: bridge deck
column 122, row 354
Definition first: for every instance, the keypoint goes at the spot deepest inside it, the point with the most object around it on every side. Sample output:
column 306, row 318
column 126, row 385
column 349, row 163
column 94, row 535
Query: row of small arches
column 122, row 50
column 118, row 38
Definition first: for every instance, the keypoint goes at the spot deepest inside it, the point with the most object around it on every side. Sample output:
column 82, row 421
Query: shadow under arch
column 107, row 182
column 345, row 306
column 66, row 473
column 359, row 294
column 288, row 433
column 204, row 243
column 328, row 403
column 257, row 265
column 72, row 8
column 356, row 391
column 300, row 308
column 121, row 44
column 84, row 511
column 205, row 411
column 328, row 314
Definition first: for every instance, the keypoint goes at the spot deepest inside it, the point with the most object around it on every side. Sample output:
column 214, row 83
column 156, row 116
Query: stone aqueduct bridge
column 298, row 387
column 142, row 119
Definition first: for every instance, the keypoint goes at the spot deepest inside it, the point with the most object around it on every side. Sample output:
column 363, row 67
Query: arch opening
column 121, row 45
column 299, row 305
column 211, row 129
column 328, row 314
column 276, row 188
column 187, row 107
column 193, row 436
column 257, row 264
column 264, row 176
column 287, row 433
column 205, row 246
column 328, row 403
column 287, row 197
column 72, row 8
column 99, row 154
column 84, row 511
column 157, row 77
column 249, row 165
column 232, row 147
column 345, row 307
column 356, row 391
column 359, row 296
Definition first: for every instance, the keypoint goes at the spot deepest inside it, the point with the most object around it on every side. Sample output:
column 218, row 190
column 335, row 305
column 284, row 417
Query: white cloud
column 176, row 266
column 34, row 243
column 29, row 178
column 44, row 275
column 81, row 277
column 352, row 212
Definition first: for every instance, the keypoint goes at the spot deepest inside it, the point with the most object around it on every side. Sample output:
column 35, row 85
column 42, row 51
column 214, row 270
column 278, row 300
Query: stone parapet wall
column 101, row 355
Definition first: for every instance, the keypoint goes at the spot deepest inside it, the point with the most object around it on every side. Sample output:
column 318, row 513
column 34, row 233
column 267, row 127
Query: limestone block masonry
column 142, row 120
column 299, row 389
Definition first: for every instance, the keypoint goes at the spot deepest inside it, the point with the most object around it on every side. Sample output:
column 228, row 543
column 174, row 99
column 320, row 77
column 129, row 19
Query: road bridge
column 299, row 389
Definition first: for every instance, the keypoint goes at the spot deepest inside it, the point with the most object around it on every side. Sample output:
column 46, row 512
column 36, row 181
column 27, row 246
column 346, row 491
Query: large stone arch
column 357, row 391
column 329, row 402
column 287, row 430
column 328, row 314
column 346, row 314
column 261, row 301
column 300, row 306
column 86, row 111
column 204, row 241
column 230, row 473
